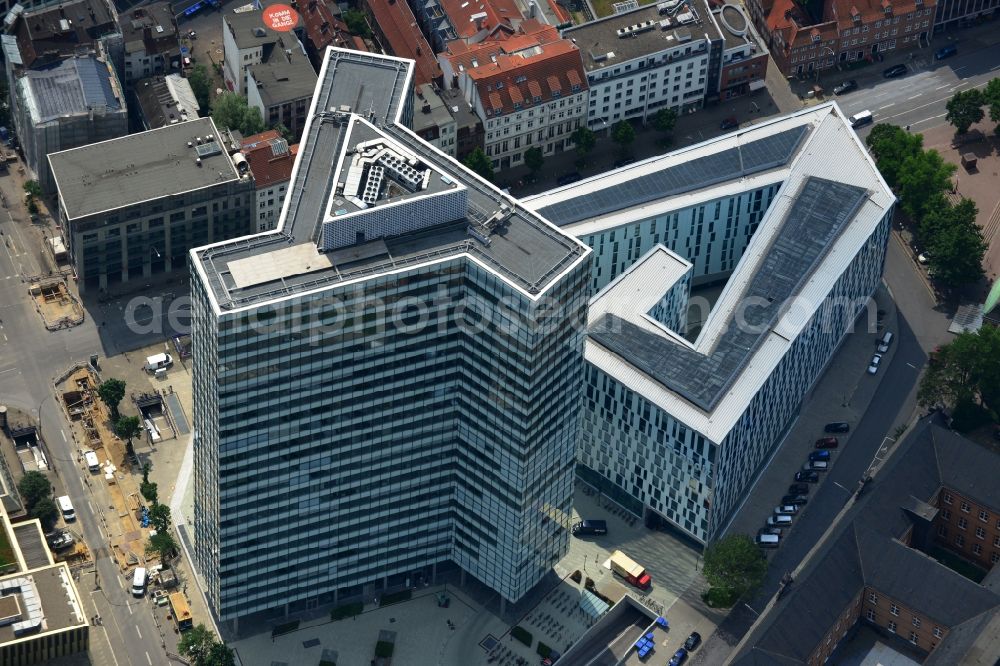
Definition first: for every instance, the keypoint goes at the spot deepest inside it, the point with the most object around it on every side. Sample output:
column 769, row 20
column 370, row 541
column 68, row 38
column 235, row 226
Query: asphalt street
column 918, row 99
column 30, row 357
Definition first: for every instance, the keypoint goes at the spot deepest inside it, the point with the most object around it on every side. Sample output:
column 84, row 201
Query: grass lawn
column 957, row 564
column 719, row 598
column 6, row 552
column 607, row 7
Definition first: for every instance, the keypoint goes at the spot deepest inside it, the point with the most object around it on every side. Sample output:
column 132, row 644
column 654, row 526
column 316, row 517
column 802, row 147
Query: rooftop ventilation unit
column 638, row 28
column 669, row 7
column 685, row 18
column 373, row 185
column 208, row 149
column 665, row 24
column 410, row 177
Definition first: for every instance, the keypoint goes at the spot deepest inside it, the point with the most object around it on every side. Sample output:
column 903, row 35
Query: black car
column 895, row 71
column 588, row 527
column 795, row 500
column 845, row 87
column 729, row 123
column 693, row 641
column 837, row 426
column 798, row 489
column 568, row 178
column 811, row 477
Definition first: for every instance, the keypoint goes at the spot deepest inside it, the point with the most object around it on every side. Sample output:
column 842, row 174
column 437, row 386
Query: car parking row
column 783, row 515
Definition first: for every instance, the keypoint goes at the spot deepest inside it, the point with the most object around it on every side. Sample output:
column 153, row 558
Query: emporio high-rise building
column 389, row 381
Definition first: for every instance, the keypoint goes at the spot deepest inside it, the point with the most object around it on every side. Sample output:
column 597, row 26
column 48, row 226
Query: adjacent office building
column 149, row 36
column 163, row 100
column 387, row 383
column 132, row 207
column 794, row 216
column 433, row 121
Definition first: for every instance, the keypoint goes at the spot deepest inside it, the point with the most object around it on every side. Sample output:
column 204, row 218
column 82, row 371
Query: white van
column 69, row 515
column 768, row 540
column 154, row 432
column 139, row 582
column 861, row 119
column 158, row 362
column 93, row 464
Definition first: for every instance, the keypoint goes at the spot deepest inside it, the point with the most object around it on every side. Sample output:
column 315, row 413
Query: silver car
column 873, row 366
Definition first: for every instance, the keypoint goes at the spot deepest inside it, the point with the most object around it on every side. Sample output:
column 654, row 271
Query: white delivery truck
column 66, row 506
column 93, row 464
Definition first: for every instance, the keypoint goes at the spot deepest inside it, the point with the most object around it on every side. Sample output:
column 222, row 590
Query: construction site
column 121, row 507
column 53, row 302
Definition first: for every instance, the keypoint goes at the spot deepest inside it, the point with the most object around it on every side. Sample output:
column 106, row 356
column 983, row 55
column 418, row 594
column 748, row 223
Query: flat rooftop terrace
column 56, row 598
column 526, row 251
column 120, row 172
column 604, row 46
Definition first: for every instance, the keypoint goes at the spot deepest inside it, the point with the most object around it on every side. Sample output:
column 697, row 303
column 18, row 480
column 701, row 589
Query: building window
column 995, row 557
column 965, row 507
column 891, row 626
column 942, row 531
column 946, row 514
column 947, row 498
column 962, row 523
column 980, row 533
column 873, row 598
column 913, row 637
column 977, row 549
column 938, row 633
column 916, row 621
column 984, row 516
column 960, row 541
column 870, row 614
column 996, row 541
column 894, row 609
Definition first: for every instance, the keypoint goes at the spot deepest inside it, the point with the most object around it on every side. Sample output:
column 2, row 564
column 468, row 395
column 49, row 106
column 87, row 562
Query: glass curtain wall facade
column 349, row 439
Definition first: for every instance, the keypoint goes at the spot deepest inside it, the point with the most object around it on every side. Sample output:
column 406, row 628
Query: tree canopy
column 954, row 241
column 159, row 517
column 161, row 544
column 967, row 369
column 584, row 139
column 231, row 111
column 201, row 86
column 200, row 645
column 357, row 23
column 921, row 178
column 992, row 97
column 891, row 146
column 965, row 108
column 665, row 120
column 534, row 159
column 111, row 392
column 735, row 564
column 46, row 512
column 479, row 162
column 33, row 487
column 623, row 134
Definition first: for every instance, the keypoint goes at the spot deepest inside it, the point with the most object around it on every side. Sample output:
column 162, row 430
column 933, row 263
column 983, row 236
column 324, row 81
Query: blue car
column 819, row 455
column 679, row 658
column 946, row 52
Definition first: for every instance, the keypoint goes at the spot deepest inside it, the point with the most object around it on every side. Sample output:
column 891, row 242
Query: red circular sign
column 281, row 18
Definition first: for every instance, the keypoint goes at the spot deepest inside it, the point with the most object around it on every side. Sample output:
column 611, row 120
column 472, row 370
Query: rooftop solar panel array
column 821, row 211
column 702, row 172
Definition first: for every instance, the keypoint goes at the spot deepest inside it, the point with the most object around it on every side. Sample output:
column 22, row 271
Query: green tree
column 112, row 392
column 891, row 146
column 34, row 487
column 954, row 241
column 734, row 564
column 534, row 160
column 128, row 428
column 966, row 370
column 623, row 134
column 147, row 489
column 231, row 111
column 584, row 139
column 220, row 655
column 922, row 178
column 46, row 512
column 665, row 120
column 285, row 133
column 33, row 189
column 965, row 108
column 162, row 545
column 357, row 23
column 159, row 517
column 992, row 96
column 479, row 162
column 196, row 643
column 201, row 85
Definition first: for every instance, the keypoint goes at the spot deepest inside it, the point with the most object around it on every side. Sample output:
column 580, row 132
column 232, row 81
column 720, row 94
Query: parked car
column 845, row 87
column 779, row 521
column 692, row 642
column 816, row 466
column 924, row 257
column 873, row 366
column 794, row 500
column 729, row 123
column 786, row 510
column 946, row 52
column 679, row 658
column 811, row 477
column 192, row 34
column 765, row 540
column 776, row 531
column 590, row 527
column 837, row 426
column 798, row 489
column 895, row 71
column 568, row 178
column 819, row 455
column 827, row 443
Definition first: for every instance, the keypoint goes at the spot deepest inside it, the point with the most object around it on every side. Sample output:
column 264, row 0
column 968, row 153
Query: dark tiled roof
column 50, row 33
column 866, row 551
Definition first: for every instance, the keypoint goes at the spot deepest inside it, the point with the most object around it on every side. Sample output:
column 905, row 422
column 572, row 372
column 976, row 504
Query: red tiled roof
column 842, row 11
column 498, row 12
column 531, row 33
column 396, row 22
column 270, row 158
column 796, row 27
column 322, row 28
column 560, row 12
column 524, row 81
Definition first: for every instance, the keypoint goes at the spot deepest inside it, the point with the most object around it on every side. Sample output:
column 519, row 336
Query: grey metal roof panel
column 744, row 160
column 72, row 86
column 821, row 211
